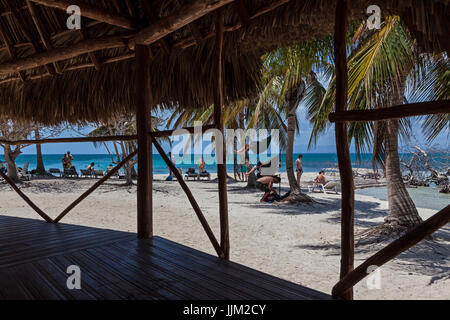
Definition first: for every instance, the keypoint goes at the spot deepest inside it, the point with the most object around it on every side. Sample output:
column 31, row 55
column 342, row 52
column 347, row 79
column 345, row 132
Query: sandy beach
column 299, row 243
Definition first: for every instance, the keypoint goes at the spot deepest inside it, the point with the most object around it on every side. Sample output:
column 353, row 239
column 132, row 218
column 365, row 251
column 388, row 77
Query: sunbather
column 320, row 180
column 90, row 168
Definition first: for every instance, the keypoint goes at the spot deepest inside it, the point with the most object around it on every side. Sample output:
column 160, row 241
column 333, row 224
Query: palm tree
column 380, row 65
column 293, row 68
column 260, row 113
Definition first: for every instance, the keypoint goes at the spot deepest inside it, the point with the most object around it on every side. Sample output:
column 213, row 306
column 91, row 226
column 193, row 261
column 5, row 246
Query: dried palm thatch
column 99, row 85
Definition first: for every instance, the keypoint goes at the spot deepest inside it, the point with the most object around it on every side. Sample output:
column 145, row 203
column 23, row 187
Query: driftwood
column 421, row 162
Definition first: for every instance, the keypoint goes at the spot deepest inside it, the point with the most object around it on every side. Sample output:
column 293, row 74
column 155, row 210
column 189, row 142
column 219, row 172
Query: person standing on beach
column 170, row 177
column 65, row 162
column 299, row 168
column 201, row 165
column 69, row 160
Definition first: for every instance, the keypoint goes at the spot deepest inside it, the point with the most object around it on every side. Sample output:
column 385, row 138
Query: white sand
column 297, row 243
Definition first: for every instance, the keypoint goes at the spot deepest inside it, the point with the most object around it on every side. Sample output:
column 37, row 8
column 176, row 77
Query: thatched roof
column 98, row 85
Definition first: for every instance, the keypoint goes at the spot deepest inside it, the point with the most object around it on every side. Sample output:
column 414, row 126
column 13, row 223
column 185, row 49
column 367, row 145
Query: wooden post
column 218, row 121
column 342, row 146
column 143, row 126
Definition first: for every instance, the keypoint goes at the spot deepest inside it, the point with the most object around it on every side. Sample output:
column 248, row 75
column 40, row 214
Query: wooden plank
column 342, row 145
column 395, row 248
column 115, row 265
column 276, row 284
column 220, row 143
column 191, row 198
column 143, row 126
column 396, row 112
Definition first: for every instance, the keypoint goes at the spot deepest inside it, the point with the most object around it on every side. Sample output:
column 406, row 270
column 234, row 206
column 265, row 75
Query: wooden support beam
column 242, row 11
column 95, row 186
column 220, row 143
column 152, row 17
column 395, row 248
column 190, row 41
column 191, row 198
column 178, row 19
column 25, row 28
column 25, row 198
column 58, row 54
column 143, row 126
column 401, row 111
column 149, row 35
column 342, row 145
column 10, row 48
column 166, row 133
column 92, row 12
column 91, row 54
column 193, row 27
column 155, row 134
column 74, row 139
column 35, row 16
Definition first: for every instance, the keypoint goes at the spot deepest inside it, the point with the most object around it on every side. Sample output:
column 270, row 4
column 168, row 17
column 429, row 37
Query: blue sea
column 312, row 162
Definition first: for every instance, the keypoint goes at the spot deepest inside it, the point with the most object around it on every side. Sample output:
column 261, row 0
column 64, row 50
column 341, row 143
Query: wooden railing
column 403, row 243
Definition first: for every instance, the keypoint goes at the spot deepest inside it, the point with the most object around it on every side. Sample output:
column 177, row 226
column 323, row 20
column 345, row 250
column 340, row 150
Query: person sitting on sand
column 268, row 182
column 201, row 165
column 90, row 168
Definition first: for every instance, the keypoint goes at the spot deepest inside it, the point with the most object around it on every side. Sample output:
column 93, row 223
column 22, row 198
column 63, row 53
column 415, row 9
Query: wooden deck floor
column 34, row 256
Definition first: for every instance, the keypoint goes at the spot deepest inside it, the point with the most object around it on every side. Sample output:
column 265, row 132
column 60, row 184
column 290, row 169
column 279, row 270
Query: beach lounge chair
column 190, row 173
column 98, row 173
column 117, row 174
column 204, row 174
column 70, row 173
column 86, row 173
column 54, row 171
column 23, row 173
column 329, row 186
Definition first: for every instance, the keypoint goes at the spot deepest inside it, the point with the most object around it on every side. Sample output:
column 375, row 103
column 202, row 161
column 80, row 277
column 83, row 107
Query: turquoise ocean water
column 312, row 162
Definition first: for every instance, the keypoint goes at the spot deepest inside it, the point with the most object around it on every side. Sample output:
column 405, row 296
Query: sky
column 326, row 143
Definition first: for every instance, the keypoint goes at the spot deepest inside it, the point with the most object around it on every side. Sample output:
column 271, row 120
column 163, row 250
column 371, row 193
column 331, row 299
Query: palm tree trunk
column 290, row 149
column 40, row 168
column 292, row 98
column 10, row 158
column 402, row 210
